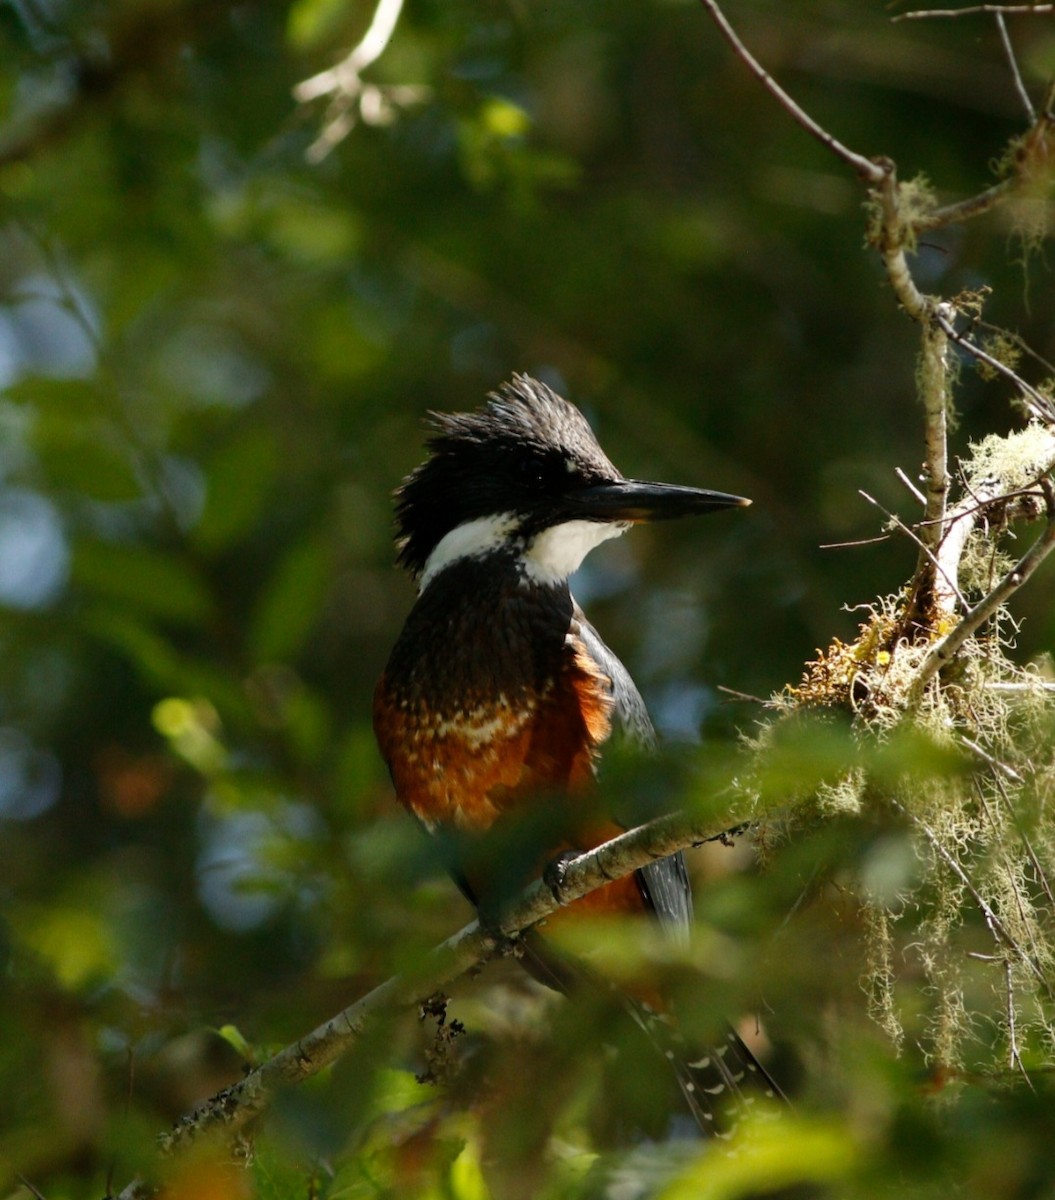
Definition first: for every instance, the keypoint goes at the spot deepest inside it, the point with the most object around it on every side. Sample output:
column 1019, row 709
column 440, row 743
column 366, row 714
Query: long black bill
column 632, row 500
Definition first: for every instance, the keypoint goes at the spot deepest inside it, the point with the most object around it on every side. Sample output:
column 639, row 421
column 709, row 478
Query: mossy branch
column 893, row 674
column 945, row 651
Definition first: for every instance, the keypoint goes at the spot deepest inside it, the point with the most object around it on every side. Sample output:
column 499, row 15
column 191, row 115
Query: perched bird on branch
column 499, row 694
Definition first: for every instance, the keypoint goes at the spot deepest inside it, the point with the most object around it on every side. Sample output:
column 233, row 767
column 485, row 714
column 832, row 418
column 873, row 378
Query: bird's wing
column 664, row 884
column 631, row 715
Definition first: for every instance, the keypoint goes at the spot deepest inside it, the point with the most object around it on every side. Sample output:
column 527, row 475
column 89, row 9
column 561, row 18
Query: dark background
column 215, row 355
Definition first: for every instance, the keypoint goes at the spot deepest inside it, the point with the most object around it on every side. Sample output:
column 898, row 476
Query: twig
column 1041, row 874
column 925, row 550
column 934, row 392
column 963, row 210
column 911, row 486
column 733, row 694
column 344, row 76
column 1012, row 1037
column 945, row 650
column 1005, row 685
column 1016, row 74
column 870, row 541
column 994, row 762
column 865, row 167
column 1011, row 10
column 1039, row 405
column 972, row 506
column 996, row 926
column 351, row 98
column 958, row 525
column 1018, row 340
column 229, row 1110
column 891, row 239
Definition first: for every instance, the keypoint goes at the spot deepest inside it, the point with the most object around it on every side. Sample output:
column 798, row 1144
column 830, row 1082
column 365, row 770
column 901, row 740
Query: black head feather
column 519, row 453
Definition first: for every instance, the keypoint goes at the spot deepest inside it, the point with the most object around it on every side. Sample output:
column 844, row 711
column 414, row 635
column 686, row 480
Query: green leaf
column 76, row 943
column 767, row 1157
column 79, row 455
column 163, row 666
column 239, row 480
column 290, row 604
column 234, row 1037
column 146, row 580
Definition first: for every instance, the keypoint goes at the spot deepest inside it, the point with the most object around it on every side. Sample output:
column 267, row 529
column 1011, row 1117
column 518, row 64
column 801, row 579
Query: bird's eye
column 534, row 472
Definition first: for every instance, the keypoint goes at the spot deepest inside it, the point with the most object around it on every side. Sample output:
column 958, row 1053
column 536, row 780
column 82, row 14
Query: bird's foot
column 556, row 872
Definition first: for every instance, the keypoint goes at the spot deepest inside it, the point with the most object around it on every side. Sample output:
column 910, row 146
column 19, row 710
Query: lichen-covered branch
column 1040, row 406
column 992, row 919
column 952, row 614
column 945, row 650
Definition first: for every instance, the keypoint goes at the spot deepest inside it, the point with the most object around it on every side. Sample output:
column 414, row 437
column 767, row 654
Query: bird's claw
column 556, row 872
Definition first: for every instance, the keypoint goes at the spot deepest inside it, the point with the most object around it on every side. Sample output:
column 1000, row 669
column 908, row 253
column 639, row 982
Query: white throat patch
column 550, row 557
column 468, row 540
column 557, row 552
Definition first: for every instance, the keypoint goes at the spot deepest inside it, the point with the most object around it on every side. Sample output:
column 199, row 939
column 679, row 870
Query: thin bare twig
column 1038, row 404
column 911, row 486
column 1016, row 74
column 925, row 550
column 963, row 210
column 994, row 762
column 865, row 167
column 870, row 541
column 1011, row 10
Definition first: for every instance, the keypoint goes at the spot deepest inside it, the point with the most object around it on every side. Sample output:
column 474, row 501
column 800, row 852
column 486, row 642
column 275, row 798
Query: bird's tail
column 720, row 1083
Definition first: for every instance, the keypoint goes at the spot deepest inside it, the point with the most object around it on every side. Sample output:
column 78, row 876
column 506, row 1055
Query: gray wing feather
column 664, row 884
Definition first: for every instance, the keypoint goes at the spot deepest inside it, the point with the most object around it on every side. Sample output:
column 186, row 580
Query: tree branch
column 1016, row 74
column 894, row 233
column 997, row 927
column 229, row 1110
column 351, row 98
column 1010, row 10
column 1039, row 405
column 864, row 167
column 963, row 210
column 945, row 650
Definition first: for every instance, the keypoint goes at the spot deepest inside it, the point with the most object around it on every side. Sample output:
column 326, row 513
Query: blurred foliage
column 214, row 358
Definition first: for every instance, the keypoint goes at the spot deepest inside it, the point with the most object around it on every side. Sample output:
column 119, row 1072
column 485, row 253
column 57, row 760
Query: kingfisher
column 499, row 695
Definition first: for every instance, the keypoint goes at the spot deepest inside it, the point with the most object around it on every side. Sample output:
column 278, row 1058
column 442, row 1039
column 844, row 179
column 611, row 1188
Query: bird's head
column 524, row 473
